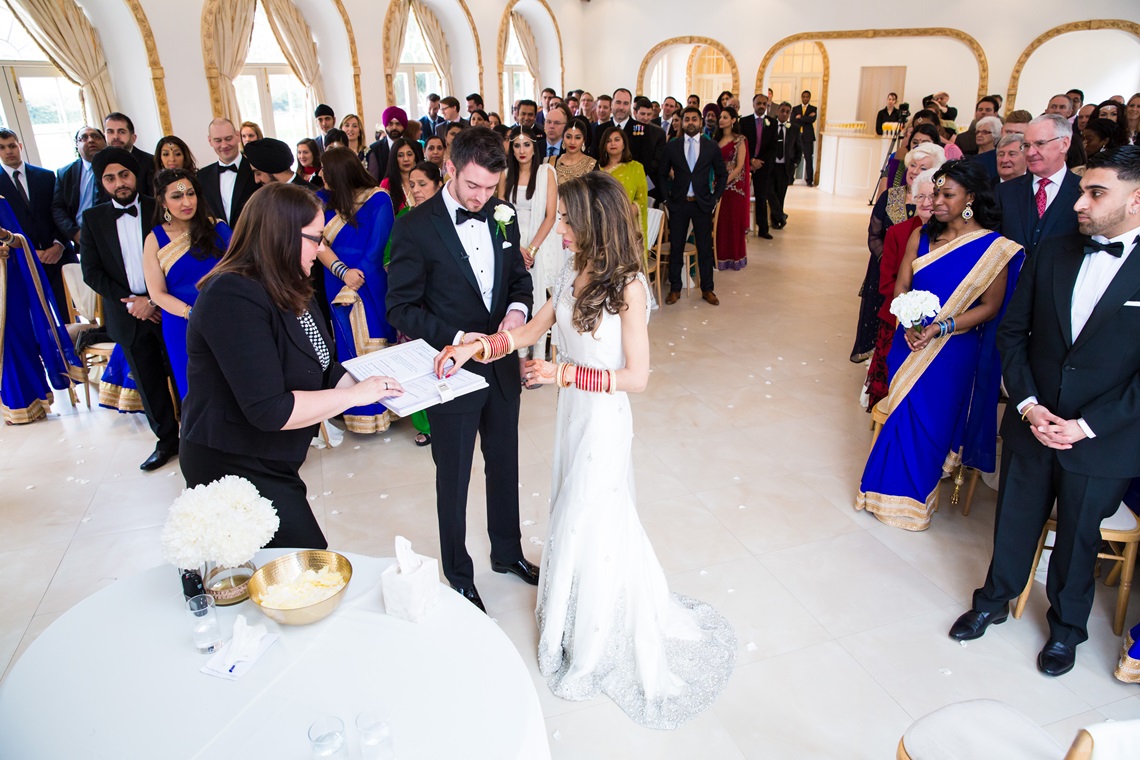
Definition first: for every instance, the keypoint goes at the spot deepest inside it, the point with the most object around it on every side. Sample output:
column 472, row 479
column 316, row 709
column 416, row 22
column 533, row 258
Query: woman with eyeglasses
column 261, row 371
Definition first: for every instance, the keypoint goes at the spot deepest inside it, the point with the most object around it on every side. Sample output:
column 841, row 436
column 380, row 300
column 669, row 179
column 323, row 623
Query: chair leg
column 87, row 386
column 975, row 476
column 1021, row 600
column 1125, row 587
column 1117, row 562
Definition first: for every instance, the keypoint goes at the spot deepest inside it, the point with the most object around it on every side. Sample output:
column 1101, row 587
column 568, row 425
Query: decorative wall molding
column 157, row 75
column 504, row 24
column 709, row 41
column 353, row 56
column 390, row 76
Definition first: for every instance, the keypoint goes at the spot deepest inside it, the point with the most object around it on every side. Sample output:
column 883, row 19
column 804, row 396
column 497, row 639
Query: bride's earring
column 167, row 217
column 967, row 213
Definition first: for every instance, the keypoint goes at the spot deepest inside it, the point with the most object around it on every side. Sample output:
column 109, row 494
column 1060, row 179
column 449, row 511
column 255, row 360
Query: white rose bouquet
column 224, row 522
column 504, row 215
column 914, row 307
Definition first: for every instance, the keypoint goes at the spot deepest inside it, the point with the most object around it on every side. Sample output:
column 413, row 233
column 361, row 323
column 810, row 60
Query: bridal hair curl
column 609, row 244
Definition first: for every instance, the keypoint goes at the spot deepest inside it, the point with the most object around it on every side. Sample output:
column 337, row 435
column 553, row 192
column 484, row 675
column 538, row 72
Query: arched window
column 518, row 82
column 416, row 76
column 268, row 91
column 36, row 101
column 797, row 68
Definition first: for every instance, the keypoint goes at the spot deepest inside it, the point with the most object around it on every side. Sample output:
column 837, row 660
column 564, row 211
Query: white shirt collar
column 236, row 162
column 1056, row 179
column 1126, row 238
column 136, row 204
column 621, row 124
column 13, row 169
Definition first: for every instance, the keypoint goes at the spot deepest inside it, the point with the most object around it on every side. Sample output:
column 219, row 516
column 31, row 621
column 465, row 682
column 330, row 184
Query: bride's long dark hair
column 609, row 243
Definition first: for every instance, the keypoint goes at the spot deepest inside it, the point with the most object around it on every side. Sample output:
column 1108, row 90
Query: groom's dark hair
column 481, row 146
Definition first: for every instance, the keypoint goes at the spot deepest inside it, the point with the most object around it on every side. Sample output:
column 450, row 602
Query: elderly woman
column 1010, row 157
column 941, row 409
column 987, row 133
column 894, row 205
column 262, row 375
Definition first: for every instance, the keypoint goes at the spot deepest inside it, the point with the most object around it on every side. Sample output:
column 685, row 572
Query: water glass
column 375, row 737
column 326, row 737
column 204, row 618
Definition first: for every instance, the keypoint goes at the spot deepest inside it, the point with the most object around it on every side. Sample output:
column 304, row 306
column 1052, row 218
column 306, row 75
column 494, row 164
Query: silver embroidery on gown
column 607, row 622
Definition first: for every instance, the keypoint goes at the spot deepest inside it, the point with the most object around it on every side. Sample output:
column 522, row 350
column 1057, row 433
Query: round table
column 118, row 675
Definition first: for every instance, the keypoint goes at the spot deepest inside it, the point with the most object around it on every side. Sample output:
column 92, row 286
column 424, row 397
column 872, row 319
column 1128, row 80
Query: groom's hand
column 514, row 320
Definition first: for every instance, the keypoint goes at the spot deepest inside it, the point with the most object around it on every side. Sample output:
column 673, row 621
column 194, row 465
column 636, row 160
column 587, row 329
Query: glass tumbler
column 204, row 619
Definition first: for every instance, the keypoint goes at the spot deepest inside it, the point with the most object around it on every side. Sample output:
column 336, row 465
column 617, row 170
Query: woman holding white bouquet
column 944, row 370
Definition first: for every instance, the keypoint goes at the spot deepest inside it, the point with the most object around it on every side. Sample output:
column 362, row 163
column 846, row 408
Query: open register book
column 413, row 366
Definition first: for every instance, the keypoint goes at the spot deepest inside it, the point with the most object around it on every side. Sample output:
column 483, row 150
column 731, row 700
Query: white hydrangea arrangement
column 224, row 522
column 914, row 307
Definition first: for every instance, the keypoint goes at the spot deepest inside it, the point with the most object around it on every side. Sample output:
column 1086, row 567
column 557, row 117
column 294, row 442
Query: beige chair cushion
column 979, row 728
column 81, row 293
column 1124, row 519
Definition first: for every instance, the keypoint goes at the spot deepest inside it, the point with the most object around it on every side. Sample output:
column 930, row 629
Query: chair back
column 82, row 301
column 656, row 228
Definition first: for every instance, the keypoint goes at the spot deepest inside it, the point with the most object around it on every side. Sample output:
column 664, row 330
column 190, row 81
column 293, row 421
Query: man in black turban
column 272, row 161
column 326, row 120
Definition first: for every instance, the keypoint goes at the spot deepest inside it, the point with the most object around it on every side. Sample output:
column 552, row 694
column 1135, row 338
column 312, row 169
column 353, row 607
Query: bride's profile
column 606, row 619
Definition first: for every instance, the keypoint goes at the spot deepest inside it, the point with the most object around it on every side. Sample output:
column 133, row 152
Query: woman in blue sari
column 358, row 223
column 182, row 247
column 944, row 380
column 36, row 354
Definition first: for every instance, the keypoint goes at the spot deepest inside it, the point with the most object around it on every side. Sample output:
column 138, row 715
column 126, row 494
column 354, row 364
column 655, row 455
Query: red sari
column 733, row 220
column 894, row 246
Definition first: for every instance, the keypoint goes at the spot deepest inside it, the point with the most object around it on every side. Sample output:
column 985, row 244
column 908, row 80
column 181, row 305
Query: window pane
column 53, row 106
column 290, row 114
column 248, row 101
column 514, row 56
column 263, row 47
column 15, row 44
column 415, row 48
column 401, row 84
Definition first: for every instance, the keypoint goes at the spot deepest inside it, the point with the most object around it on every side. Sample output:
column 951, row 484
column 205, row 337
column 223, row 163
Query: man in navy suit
column 429, row 123
column 30, row 189
column 803, row 119
column 77, row 188
column 1039, row 204
column 699, row 179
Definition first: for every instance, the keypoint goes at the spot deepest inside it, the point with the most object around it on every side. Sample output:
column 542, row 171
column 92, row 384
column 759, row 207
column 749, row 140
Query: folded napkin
column 240, row 653
column 411, row 586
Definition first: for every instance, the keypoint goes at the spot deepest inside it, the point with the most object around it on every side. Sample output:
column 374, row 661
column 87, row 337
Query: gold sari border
column 362, row 341
column 37, row 410
column 1128, row 669
column 899, row 511
column 118, row 397
column 337, row 223
column 169, row 254
column 367, row 424
column 921, row 262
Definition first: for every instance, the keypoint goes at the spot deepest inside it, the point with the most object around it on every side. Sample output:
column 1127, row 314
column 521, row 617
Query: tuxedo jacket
column 378, row 158
column 146, row 171
column 1096, row 376
column 433, row 293
column 244, row 188
column 103, row 267
column 647, row 145
column 65, row 202
column 804, row 120
column 766, row 151
column 709, row 176
column 35, row 217
column 1019, row 220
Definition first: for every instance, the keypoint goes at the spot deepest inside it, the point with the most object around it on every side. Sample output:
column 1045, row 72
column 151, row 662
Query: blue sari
column 183, row 269
column 36, row 353
column 358, row 315
column 942, row 406
column 117, row 389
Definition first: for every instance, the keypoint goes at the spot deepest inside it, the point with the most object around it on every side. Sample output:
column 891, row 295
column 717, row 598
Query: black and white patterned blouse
column 310, row 328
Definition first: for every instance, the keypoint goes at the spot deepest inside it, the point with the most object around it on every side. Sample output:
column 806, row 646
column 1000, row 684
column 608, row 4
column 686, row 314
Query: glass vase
column 228, row 585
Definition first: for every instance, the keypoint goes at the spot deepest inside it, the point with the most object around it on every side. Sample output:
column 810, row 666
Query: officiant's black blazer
column 1019, row 220
column 433, row 293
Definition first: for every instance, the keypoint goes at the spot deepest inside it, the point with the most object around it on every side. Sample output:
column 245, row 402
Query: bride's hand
column 459, row 353
column 540, row 372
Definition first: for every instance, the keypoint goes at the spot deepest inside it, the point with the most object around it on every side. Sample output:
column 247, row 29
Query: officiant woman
column 261, row 375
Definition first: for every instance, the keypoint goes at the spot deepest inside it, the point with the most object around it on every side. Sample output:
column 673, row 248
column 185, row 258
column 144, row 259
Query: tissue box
column 411, row 595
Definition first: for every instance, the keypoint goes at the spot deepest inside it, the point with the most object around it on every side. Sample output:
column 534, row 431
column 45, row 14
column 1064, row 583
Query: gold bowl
column 290, row 566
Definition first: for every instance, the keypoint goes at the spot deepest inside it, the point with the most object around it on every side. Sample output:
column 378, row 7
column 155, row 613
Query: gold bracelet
column 1025, row 414
column 484, row 347
column 612, row 389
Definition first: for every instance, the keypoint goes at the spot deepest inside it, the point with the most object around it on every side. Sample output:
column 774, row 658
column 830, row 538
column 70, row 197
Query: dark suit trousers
column 150, row 368
column 1030, row 482
column 777, row 191
column 453, row 446
column 807, row 149
column 680, row 215
column 762, row 189
column 54, row 274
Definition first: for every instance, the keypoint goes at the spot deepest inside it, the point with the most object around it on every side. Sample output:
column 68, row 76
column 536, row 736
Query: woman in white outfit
column 607, row 621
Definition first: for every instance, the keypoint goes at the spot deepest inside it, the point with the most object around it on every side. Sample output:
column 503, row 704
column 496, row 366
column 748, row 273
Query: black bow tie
column 462, row 216
column 1112, row 249
column 230, row 168
column 134, row 211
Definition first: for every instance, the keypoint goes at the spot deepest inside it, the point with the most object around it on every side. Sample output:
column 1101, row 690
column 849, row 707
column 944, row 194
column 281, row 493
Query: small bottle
column 192, row 584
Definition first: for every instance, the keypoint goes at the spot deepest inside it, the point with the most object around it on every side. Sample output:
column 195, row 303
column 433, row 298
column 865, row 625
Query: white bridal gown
column 606, row 619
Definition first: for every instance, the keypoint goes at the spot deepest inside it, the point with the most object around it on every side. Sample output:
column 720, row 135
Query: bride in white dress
column 606, row 619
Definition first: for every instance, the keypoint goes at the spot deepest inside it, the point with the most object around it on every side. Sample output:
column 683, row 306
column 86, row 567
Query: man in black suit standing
column 111, row 252
column 30, row 190
column 77, row 188
column 453, row 277
column 803, row 119
column 120, row 133
column 554, row 127
column 783, row 164
column 1039, row 203
column 429, row 123
column 760, row 130
column 699, row 179
column 227, row 183
column 647, row 146
column 326, row 120
column 1070, row 346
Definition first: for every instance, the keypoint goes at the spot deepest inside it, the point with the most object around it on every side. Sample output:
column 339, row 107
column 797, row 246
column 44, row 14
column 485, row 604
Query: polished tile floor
column 749, row 447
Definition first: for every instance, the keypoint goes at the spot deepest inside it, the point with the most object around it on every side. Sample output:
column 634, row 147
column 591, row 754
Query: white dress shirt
column 1053, row 187
column 131, row 243
column 226, row 182
column 621, row 124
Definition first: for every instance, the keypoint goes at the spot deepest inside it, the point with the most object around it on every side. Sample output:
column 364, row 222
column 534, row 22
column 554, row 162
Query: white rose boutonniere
column 504, row 215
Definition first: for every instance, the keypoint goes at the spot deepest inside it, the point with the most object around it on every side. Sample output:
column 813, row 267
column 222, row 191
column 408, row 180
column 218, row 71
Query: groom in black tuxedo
column 453, row 277
column 1070, row 346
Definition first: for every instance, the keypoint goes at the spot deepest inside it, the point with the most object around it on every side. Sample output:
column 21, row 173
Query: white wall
column 1101, row 62
column 675, row 60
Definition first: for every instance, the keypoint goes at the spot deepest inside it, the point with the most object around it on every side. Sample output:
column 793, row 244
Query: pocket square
column 1132, row 303
column 506, row 244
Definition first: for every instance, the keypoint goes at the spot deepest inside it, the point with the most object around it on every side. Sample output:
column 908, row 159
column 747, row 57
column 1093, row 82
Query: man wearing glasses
column 1039, row 204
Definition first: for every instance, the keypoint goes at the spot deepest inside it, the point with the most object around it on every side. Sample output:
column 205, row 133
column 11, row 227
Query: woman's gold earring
column 166, row 215
column 967, row 213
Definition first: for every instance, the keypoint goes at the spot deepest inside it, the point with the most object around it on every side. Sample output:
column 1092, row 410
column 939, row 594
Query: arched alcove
column 544, row 25
column 462, row 40
column 667, row 53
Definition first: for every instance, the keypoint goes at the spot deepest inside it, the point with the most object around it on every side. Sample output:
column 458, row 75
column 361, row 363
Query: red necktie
column 1041, row 198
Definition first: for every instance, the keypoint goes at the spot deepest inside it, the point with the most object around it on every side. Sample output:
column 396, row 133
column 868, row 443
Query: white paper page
column 403, row 362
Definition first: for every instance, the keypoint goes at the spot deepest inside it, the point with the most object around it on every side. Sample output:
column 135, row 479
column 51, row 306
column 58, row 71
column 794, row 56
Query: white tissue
column 407, row 559
column 245, row 643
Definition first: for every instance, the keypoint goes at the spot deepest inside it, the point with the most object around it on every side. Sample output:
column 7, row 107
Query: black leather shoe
column 1056, row 659
column 973, row 624
column 522, row 569
column 157, row 459
column 765, row 235
column 471, row 595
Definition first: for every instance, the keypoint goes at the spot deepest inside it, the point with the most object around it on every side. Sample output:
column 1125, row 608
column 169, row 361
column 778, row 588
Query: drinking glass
column 326, row 737
column 375, row 737
column 204, row 618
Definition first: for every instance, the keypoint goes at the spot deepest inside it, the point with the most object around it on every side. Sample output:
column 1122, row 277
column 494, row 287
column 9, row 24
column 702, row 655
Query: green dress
column 631, row 175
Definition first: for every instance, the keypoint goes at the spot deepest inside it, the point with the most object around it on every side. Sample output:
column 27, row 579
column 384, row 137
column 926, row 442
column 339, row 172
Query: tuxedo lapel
column 1123, row 286
column 1065, row 269
column 497, row 241
column 113, row 251
column 445, row 226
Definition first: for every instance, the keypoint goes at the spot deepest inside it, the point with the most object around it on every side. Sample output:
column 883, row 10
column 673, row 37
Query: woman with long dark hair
column 183, row 245
column 261, row 374
column 733, row 215
column 944, row 378
column 172, row 152
column 607, row 622
column 402, row 158
column 617, row 159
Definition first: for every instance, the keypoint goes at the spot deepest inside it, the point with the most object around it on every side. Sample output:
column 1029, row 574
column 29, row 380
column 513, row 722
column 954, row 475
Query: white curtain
column 296, row 41
column 394, row 44
column 72, row 44
column 436, row 42
column 527, row 44
column 233, row 28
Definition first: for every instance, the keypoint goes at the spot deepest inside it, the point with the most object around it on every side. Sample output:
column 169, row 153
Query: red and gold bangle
column 497, row 346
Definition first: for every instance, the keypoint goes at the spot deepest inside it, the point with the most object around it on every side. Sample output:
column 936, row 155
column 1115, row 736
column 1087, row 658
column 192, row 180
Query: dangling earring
column 967, row 213
column 167, row 217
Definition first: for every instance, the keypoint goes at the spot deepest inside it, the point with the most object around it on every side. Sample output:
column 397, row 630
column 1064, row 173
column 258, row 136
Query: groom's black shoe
column 522, row 569
column 973, row 624
column 471, row 595
column 1056, row 659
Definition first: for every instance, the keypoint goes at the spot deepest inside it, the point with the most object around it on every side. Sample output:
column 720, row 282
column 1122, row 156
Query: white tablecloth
column 118, row 676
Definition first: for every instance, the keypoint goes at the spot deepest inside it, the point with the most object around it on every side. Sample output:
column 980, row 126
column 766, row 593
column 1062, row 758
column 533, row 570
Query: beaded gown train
column 607, row 622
